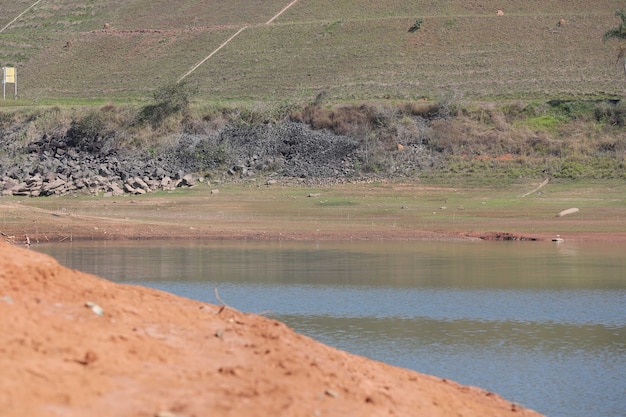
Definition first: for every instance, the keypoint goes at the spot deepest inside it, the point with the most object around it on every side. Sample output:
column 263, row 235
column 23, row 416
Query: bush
column 93, row 132
column 612, row 114
column 417, row 25
column 171, row 99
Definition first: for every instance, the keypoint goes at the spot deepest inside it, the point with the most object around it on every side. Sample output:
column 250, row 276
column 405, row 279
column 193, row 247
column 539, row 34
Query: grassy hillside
column 352, row 50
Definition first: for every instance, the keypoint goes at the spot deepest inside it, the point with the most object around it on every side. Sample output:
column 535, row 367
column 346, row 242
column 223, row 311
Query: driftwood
column 568, row 211
column 543, row 184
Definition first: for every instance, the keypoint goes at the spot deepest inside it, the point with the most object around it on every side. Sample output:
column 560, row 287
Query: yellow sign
column 9, row 75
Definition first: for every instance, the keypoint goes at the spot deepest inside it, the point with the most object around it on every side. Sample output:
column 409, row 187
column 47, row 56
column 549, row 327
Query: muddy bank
column 72, row 344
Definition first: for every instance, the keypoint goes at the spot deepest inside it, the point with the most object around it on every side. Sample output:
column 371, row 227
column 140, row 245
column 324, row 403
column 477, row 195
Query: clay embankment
column 72, row 344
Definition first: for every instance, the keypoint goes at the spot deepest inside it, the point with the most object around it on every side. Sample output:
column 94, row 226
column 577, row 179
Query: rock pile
column 61, row 171
column 71, row 164
column 55, row 184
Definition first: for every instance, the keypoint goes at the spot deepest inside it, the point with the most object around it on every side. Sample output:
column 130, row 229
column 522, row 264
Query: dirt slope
column 155, row 354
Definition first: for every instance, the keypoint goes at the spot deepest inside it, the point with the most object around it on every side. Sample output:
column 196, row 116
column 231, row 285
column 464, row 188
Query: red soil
column 155, row 354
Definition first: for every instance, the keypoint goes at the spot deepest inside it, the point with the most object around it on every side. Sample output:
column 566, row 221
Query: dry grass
column 564, row 140
column 350, row 50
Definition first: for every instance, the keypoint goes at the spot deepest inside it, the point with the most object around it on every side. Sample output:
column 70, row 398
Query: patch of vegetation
column 450, row 23
column 569, row 140
column 417, row 25
column 171, row 99
column 545, row 122
column 99, row 131
column 331, row 27
column 264, row 113
column 571, row 109
column 611, row 114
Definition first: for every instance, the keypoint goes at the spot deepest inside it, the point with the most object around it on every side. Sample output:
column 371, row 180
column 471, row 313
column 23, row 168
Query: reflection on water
column 539, row 323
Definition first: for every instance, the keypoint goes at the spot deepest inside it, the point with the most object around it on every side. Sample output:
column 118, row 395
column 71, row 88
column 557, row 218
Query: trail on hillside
column 281, row 12
column 212, row 53
column 19, row 15
column 230, row 39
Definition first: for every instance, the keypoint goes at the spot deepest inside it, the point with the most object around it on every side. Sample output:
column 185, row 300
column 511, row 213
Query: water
column 541, row 324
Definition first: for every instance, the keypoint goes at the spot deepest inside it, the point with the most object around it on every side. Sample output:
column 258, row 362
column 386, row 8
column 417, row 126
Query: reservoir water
column 540, row 323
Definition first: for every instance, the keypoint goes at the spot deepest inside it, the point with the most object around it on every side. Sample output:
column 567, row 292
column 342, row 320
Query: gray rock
column 80, row 183
column 140, row 184
column 129, row 188
column 9, row 184
column 159, row 173
column 20, row 188
column 188, row 180
column 115, row 189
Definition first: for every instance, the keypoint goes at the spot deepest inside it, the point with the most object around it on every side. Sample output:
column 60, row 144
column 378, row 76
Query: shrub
column 171, row 99
column 612, row 114
column 417, row 25
column 7, row 119
column 94, row 132
column 341, row 120
column 424, row 109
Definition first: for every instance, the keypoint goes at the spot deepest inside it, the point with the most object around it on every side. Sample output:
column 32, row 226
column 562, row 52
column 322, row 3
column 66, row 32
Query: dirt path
column 19, row 15
column 212, row 53
column 230, row 39
column 72, row 344
column 281, row 12
column 543, row 184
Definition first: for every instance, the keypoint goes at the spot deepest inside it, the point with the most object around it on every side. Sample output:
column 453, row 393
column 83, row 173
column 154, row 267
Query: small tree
column 417, row 25
column 170, row 99
column 618, row 33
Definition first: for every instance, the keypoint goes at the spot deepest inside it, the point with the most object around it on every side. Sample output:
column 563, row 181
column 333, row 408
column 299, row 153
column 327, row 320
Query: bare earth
column 155, row 354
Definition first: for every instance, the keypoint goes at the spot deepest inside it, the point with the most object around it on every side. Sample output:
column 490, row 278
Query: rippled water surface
column 542, row 324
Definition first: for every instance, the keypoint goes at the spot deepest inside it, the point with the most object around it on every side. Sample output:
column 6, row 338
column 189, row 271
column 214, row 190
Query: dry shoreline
column 383, row 211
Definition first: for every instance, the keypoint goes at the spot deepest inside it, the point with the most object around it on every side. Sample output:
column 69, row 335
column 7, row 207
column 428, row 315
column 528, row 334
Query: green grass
column 545, row 122
column 351, row 50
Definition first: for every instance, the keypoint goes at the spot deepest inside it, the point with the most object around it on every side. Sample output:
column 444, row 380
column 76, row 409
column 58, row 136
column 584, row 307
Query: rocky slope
column 66, row 164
